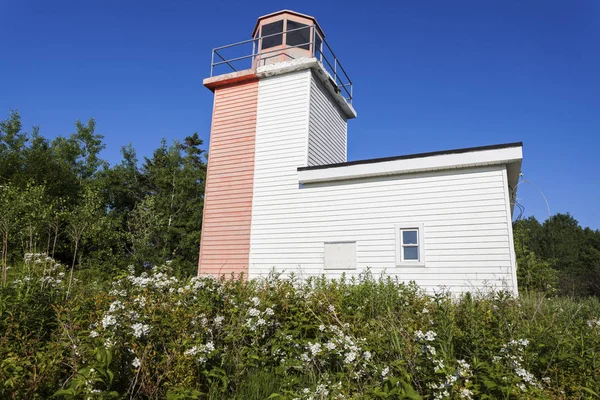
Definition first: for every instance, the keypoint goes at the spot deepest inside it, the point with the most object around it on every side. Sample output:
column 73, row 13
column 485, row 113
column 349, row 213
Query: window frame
column 400, row 261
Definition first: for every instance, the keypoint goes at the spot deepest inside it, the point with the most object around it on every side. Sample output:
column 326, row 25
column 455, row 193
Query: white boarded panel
column 340, row 255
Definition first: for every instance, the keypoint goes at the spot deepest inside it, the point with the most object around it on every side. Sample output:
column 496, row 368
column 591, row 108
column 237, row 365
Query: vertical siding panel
column 225, row 242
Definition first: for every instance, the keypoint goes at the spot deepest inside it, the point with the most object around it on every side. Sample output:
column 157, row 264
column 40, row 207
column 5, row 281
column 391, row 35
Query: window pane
column 411, row 253
column 299, row 37
column 269, row 29
column 409, row 237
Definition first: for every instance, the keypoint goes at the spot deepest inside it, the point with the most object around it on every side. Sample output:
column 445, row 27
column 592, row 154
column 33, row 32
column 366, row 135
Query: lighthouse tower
column 281, row 101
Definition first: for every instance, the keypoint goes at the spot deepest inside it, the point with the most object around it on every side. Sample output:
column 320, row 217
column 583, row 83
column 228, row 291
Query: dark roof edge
column 417, row 155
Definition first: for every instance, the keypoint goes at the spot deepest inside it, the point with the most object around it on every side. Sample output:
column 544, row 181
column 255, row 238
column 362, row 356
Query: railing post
column 313, row 42
column 212, row 62
column 335, row 69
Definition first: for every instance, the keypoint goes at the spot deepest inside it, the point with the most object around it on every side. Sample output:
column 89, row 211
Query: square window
column 275, row 29
column 299, row 35
column 409, row 245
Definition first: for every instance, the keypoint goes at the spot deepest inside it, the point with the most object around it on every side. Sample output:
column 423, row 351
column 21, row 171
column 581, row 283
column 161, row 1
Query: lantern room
column 286, row 35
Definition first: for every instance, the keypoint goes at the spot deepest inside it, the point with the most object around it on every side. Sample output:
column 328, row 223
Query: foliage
column 558, row 256
column 153, row 335
column 59, row 197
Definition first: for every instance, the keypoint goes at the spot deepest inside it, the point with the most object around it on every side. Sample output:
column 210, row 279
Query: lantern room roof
column 290, row 12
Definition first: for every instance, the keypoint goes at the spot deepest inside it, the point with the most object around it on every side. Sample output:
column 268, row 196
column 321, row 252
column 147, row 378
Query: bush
column 154, row 335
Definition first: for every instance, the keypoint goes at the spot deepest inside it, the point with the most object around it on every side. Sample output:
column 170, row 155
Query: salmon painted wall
column 225, row 242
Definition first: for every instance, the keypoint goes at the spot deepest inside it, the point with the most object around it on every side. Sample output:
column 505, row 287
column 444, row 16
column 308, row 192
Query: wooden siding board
column 225, row 243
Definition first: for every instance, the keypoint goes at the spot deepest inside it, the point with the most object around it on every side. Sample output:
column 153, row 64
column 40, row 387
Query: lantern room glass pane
column 272, row 29
column 409, row 237
column 318, row 42
column 299, row 38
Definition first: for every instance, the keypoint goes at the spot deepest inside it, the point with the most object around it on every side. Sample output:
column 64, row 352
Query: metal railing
column 243, row 55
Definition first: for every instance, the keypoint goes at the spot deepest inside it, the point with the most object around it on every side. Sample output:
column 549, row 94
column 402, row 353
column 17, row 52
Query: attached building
column 281, row 195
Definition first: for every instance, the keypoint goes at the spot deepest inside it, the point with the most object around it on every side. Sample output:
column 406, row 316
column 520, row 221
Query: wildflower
column 136, row 362
column 350, row 356
column 108, row 320
column 314, row 348
column 209, row 347
column 253, row 312
column 191, row 352
column 331, row 308
column 367, row 355
column 219, row 320
column 330, row 346
column 114, row 306
column 109, row 343
column 385, row 372
column 465, row 393
column 255, row 301
column 269, row 311
column 321, row 327
column 93, row 334
column 139, row 329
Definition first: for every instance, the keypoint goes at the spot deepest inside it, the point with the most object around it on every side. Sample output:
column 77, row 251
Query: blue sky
column 429, row 75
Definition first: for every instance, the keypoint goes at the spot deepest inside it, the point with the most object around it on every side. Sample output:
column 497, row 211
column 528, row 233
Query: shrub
column 153, row 335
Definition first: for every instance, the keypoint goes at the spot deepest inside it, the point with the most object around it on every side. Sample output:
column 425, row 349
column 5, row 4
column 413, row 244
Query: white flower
column 219, row 320
column 209, row 347
column 385, row 371
column 331, row 308
column 139, row 329
column 367, row 355
column 350, row 356
column 93, row 334
column 255, row 301
column 191, row 352
column 114, row 306
column 465, row 393
column 109, row 343
column 463, row 364
column 269, row 311
column 253, row 312
column 314, row 348
column 321, row 327
column 108, row 320
column 431, row 350
column 330, row 346
column 136, row 362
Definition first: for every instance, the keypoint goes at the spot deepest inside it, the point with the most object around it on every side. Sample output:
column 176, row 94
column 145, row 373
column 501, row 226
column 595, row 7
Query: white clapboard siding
column 327, row 130
column 466, row 221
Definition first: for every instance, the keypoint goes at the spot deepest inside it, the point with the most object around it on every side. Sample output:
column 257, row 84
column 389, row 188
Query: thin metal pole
column 335, row 69
column 212, row 62
column 313, row 44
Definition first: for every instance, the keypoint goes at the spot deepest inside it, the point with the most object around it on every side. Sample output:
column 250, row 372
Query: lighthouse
column 282, row 100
